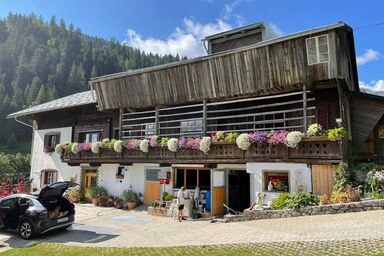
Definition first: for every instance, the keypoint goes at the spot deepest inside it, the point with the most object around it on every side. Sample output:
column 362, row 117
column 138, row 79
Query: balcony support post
column 204, row 117
column 121, row 112
column 305, row 118
column 157, row 121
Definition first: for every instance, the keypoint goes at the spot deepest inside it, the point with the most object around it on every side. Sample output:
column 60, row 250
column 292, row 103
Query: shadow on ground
column 78, row 233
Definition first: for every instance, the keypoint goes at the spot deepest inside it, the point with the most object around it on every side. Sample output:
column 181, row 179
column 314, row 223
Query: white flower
column 243, row 141
column 59, row 149
column 314, row 129
column 95, row 148
column 293, row 139
column 172, row 144
column 75, row 148
column 379, row 175
column 205, row 144
column 118, row 146
column 144, row 144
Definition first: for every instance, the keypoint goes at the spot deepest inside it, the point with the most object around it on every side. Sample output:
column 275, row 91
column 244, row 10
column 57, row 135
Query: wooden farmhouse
column 251, row 81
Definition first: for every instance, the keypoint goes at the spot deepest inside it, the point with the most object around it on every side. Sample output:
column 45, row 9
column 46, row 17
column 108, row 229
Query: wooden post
column 204, row 117
column 157, row 120
column 305, row 118
column 121, row 123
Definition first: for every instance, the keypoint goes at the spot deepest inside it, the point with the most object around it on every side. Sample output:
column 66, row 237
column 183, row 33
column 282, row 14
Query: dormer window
column 317, row 49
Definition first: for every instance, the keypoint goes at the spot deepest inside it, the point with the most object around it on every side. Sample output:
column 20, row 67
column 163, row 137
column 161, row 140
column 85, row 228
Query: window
column 48, row 177
column 50, row 141
column 152, row 174
column 120, row 172
column 276, row 181
column 89, row 136
column 317, row 49
column 191, row 126
column 6, row 204
column 150, row 129
column 191, row 178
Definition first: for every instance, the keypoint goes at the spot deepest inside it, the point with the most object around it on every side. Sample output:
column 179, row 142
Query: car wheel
column 26, row 230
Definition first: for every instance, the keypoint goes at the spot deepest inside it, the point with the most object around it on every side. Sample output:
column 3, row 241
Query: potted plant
column 74, row 195
column 119, row 203
column 131, row 197
column 95, row 192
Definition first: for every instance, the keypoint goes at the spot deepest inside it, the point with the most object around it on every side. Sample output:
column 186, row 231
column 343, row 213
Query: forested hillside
column 41, row 61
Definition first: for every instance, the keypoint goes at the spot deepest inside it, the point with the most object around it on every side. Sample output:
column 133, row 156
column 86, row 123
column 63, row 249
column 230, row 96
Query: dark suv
column 32, row 215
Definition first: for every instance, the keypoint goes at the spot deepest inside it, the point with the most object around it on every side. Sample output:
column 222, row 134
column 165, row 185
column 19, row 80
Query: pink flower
column 153, row 141
column 133, row 144
column 276, row 137
column 85, row 146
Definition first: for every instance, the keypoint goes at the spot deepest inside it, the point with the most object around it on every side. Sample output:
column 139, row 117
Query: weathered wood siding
column 366, row 112
column 259, row 70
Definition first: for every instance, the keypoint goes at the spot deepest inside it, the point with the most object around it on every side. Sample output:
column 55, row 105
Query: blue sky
column 170, row 26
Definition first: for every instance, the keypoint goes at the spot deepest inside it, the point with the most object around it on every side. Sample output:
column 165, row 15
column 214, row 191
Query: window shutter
column 57, row 138
column 46, row 149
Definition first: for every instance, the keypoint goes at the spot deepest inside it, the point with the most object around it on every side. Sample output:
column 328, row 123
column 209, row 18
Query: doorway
column 90, row 179
column 238, row 190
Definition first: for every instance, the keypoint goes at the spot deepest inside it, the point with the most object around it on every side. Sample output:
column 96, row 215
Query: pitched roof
column 77, row 99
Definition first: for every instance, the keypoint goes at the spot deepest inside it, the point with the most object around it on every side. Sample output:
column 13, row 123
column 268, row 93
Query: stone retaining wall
column 368, row 205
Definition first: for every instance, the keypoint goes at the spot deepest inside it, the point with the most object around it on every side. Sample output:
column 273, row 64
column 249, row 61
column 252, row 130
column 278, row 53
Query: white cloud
column 374, row 85
column 368, row 56
column 276, row 29
column 184, row 41
column 227, row 13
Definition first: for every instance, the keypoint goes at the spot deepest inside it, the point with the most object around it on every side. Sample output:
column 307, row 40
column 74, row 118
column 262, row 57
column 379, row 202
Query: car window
column 6, row 204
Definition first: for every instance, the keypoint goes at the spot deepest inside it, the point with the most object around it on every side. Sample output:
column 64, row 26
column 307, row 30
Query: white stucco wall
column 299, row 177
column 41, row 160
column 133, row 176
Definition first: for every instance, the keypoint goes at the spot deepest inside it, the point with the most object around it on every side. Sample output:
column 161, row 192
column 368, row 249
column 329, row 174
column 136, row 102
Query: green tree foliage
column 40, row 61
column 14, row 165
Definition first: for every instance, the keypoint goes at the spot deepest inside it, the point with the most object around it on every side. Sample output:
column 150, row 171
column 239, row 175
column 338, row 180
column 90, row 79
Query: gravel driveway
column 109, row 227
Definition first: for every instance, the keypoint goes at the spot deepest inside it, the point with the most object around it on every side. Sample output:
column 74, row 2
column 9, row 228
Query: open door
column 218, row 192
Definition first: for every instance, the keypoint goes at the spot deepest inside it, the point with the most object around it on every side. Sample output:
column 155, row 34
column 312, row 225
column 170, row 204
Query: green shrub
column 303, row 199
column 281, row 201
column 96, row 192
column 375, row 195
column 130, row 195
column 338, row 196
column 300, row 200
column 342, row 177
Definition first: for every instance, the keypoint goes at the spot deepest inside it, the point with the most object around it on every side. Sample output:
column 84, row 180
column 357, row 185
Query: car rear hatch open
column 52, row 198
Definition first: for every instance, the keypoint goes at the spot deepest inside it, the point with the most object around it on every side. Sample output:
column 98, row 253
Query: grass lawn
column 23, row 147
column 361, row 247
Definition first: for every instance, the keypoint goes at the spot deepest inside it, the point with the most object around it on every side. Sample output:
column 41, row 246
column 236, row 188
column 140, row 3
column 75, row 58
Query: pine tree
column 42, row 95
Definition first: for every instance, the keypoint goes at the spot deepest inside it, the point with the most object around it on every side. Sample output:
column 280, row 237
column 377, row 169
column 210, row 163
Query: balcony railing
column 310, row 150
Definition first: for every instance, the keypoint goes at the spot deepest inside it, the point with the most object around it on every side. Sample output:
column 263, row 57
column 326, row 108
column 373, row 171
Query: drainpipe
column 23, row 123
column 33, row 138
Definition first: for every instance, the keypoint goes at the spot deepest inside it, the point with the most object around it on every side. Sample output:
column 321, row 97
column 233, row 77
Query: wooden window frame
column 316, row 38
column 44, row 178
column 48, row 146
column 81, row 139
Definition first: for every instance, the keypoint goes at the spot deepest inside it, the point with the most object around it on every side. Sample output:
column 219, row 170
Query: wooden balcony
column 309, row 151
